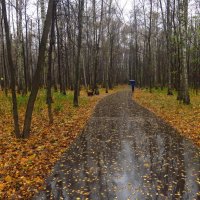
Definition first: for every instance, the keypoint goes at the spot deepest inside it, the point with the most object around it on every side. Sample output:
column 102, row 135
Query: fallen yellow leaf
column 2, row 186
column 8, row 178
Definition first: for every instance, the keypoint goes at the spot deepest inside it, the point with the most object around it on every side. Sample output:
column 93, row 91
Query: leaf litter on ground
column 24, row 164
column 184, row 118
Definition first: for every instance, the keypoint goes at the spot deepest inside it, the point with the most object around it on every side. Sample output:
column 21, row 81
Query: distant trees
column 101, row 44
column 84, row 47
column 91, row 44
column 165, row 37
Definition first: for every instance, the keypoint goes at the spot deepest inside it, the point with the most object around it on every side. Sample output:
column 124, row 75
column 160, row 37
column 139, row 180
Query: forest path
column 126, row 152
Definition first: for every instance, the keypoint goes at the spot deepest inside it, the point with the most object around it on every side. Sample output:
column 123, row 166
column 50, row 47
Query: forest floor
column 184, row 118
column 24, row 164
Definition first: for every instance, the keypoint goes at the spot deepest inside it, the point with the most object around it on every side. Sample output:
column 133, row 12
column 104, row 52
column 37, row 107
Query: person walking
column 132, row 83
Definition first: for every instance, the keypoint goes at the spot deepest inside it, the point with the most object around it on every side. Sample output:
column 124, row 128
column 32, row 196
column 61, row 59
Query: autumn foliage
column 24, row 164
column 185, row 118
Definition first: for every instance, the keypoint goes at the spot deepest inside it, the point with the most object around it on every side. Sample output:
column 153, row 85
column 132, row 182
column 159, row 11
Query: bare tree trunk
column 84, row 75
column 19, row 48
column 42, row 7
column 12, row 71
column 5, row 77
column 37, row 76
column 49, row 78
column 149, row 48
column 77, row 67
column 167, row 29
column 168, row 37
column 59, row 57
column 183, row 17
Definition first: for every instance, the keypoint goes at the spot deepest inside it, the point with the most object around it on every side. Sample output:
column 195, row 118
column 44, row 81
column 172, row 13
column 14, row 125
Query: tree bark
column 183, row 20
column 12, row 71
column 37, row 75
column 49, row 78
column 77, row 67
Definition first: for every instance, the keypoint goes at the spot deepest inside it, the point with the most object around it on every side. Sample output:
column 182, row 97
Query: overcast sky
column 127, row 5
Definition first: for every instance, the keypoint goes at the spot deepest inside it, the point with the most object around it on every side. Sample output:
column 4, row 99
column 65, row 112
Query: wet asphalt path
column 126, row 152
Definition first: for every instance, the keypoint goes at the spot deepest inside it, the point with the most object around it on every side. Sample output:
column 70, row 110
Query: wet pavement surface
column 126, row 152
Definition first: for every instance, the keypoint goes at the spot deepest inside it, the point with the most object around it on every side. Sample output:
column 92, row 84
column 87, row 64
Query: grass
column 185, row 118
